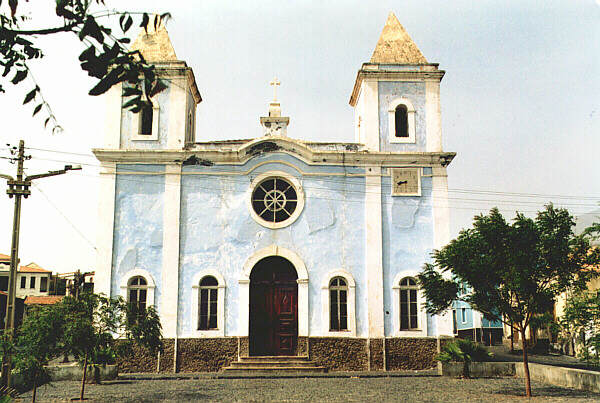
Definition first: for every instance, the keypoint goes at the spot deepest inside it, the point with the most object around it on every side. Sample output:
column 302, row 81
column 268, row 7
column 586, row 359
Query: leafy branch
column 105, row 56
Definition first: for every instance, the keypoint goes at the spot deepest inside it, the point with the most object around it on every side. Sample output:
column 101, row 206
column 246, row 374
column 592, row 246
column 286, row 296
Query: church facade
column 275, row 245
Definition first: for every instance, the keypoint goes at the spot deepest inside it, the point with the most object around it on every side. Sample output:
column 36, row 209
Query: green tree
column 93, row 323
column 104, row 57
column 465, row 351
column 514, row 270
column 38, row 342
column 581, row 320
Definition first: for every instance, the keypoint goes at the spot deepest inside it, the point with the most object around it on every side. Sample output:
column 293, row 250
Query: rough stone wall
column 376, row 354
column 302, row 349
column 410, row 353
column 244, row 346
column 166, row 357
column 339, row 354
column 139, row 360
column 201, row 355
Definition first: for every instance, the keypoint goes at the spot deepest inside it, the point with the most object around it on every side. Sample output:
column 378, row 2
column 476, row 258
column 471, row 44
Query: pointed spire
column 155, row 45
column 395, row 46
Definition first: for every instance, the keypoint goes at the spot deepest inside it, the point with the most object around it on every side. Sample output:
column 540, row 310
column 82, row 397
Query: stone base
column 206, row 355
column 410, row 353
column 332, row 353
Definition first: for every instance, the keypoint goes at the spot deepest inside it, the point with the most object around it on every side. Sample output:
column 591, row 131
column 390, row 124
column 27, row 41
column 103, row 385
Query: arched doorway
column 273, row 307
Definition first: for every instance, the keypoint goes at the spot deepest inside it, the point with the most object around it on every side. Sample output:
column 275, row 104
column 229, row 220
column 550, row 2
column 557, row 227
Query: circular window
column 276, row 201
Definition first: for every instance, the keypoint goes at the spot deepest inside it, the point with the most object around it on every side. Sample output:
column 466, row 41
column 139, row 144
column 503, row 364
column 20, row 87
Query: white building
column 274, row 245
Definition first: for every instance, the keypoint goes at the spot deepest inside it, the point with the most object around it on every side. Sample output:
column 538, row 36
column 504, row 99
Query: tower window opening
column 146, row 117
column 401, row 120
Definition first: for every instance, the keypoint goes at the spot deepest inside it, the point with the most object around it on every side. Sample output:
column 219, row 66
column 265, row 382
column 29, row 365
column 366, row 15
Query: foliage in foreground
column 105, row 56
column 465, row 351
column 37, row 343
column 514, row 271
column 94, row 328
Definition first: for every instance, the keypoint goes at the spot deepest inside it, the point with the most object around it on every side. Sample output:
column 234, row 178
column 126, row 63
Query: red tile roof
column 43, row 300
column 33, row 268
column 4, row 257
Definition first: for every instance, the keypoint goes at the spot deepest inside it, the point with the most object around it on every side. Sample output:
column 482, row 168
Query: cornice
column 392, row 75
column 241, row 155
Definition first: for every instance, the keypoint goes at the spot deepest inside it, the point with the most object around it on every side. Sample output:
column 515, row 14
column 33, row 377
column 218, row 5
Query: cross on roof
column 275, row 83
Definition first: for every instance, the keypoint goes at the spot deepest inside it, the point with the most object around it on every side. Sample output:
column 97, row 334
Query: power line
column 65, row 217
column 61, row 152
column 216, row 190
column 344, row 180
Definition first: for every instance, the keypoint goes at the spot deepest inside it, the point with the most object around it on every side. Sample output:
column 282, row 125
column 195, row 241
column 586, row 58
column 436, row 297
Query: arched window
column 408, row 304
column 401, row 120
column 137, row 291
column 207, row 303
column 338, row 304
column 146, row 119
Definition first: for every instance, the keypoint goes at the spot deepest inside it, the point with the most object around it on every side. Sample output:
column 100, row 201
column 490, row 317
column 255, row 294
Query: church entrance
column 273, row 307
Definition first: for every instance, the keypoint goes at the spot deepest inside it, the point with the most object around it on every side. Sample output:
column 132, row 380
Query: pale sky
column 520, row 101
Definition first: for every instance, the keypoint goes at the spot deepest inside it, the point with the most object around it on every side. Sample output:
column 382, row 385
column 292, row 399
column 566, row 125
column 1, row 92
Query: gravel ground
column 373, row 387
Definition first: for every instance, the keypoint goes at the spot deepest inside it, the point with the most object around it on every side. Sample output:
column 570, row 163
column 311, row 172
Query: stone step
column 252, row 369
column 272, row 363
column 274, row 359
column 267, row 364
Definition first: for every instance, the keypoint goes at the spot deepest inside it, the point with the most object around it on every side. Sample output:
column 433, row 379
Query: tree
column 581, row 320
column 514, row 270
column 38, row 342
column 105, row 56
column 91, row 323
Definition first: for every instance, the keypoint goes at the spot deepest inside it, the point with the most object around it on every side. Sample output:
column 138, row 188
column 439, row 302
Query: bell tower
column 396, row 96
column 170, row 122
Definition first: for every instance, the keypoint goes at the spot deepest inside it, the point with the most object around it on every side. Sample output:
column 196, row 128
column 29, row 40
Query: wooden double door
column 273, row 307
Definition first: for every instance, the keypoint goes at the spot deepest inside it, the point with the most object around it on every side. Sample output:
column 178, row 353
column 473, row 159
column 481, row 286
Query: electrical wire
column 336, row 180
column 64, row 216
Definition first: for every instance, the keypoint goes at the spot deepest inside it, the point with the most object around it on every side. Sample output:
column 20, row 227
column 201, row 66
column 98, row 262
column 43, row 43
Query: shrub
column 465, row 351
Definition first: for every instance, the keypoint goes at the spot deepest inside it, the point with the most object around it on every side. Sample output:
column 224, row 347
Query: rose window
column 274, row 200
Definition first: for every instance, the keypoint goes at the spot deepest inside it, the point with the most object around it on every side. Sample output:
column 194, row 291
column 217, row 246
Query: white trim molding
column 299, row 194
column 244, row 287
column 422, row 314
column 392, row 121
column 220, row 330
column 105, row 232
column 149, row 280
column 350, row 301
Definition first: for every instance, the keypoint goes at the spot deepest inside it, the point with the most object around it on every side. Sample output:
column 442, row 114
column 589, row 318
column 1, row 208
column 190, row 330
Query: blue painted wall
column 218, row 232
column 407, row 241
column 468, row 324
column 415, row 92
column 138, row 236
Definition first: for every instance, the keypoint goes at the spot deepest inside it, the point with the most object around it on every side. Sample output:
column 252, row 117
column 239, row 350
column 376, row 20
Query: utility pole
column 18, row 188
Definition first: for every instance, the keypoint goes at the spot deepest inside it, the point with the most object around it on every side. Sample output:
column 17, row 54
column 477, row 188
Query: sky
column 520, row 100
